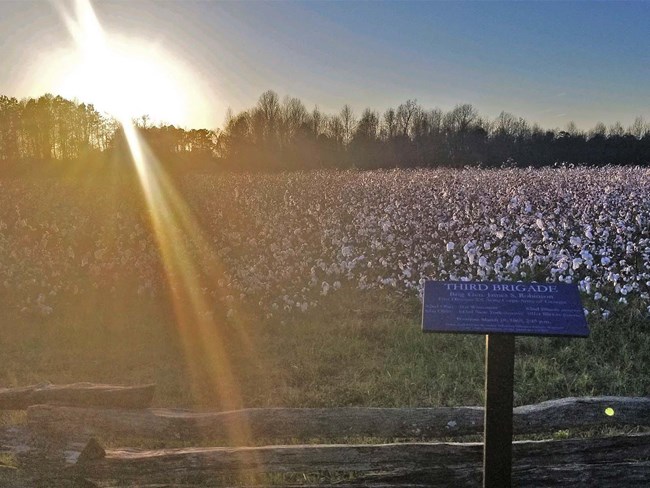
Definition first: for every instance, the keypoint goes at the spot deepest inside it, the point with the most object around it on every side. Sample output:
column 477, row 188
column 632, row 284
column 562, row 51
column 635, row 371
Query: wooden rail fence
column 61, row 443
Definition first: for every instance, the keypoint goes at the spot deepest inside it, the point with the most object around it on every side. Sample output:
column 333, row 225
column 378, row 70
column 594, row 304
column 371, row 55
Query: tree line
column 37, row 133
column 283, row 134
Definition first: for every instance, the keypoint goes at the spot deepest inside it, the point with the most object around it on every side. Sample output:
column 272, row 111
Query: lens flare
column 123, row 76
column 190, row 264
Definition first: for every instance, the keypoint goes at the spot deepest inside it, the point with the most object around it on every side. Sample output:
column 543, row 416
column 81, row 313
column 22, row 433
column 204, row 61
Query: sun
column 128, row 80
column 125, row 77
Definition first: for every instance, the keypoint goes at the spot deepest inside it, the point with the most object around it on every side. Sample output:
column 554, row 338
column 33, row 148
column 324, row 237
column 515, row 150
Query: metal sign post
column 499, row 378
column 501, row 311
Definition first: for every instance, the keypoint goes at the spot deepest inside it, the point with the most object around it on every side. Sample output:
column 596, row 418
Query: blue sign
column 472, row 307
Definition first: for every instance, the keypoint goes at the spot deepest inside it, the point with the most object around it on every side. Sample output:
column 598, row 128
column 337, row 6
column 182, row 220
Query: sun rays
column 189, row 263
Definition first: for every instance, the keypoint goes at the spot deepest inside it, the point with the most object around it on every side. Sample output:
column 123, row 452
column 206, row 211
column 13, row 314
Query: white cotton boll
column 605, row 260
column 598, row 295
column 325, row 288
column 450, row 246
column 44, row 309
column 540, row 224
column 500, row 234
column 606, row 314
column 575, row 241
column 577, row 262
column 482, row 262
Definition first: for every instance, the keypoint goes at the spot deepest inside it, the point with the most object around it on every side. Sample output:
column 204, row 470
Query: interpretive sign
column 546, row 309
column 501, row 311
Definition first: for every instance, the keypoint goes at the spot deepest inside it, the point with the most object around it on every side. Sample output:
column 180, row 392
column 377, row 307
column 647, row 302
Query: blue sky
column 550, row 62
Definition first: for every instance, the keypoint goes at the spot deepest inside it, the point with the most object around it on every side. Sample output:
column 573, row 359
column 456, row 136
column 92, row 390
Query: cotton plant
column 285, row 242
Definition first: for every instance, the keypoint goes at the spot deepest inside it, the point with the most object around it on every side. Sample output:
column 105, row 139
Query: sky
column 549, row 62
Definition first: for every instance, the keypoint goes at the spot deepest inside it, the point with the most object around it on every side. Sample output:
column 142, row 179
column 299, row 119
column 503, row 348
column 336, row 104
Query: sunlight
column 125, row 77
column 128, row 84
column 189, row 262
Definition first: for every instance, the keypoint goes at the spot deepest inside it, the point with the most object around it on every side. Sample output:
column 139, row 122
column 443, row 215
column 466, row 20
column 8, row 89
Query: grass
column 359, row 348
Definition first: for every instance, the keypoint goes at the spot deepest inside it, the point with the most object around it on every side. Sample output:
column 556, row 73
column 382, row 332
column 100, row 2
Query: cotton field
column 281, row 242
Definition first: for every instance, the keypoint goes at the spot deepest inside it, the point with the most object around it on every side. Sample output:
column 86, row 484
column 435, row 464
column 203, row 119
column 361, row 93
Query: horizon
column 354, row 53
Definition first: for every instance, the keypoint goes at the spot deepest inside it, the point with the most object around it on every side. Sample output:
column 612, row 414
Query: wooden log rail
column 77, row 394
column 59, row 451
column 603, row 462
column 334, row 423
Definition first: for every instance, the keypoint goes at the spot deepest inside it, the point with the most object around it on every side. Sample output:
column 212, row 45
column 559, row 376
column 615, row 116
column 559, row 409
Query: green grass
column 359, row 348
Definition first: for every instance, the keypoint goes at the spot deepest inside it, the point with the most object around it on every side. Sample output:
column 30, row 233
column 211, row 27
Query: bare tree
column 504, row 125
column 349, row 123
column 405, row 114
column 267, row 115
column 616, row 129
column 639, row 128
column 368, row 127
column 316, row 122
column 335, row 130
column 460, row 119
column 599, row 130
column 293, row 116
column 572, row 129
column 389, row 126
